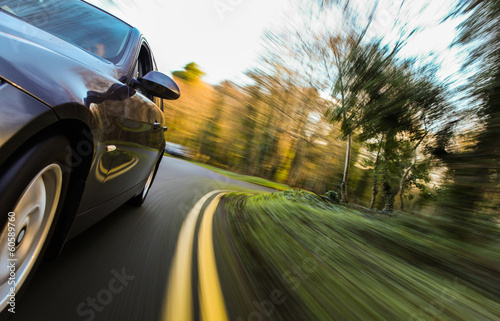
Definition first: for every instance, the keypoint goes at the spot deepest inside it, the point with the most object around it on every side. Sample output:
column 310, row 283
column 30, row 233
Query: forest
column 333, row 105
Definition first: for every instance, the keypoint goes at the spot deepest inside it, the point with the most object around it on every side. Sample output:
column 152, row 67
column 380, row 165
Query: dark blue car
column 81, row 126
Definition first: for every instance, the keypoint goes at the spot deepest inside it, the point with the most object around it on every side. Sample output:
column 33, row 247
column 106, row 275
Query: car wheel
column 138, row 200
column 31, row 189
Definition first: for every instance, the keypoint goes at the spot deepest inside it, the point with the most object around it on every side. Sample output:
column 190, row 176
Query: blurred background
column 391, row 104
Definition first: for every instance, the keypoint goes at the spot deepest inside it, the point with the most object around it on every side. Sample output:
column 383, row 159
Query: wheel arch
column 75, row 124
column 83, row 150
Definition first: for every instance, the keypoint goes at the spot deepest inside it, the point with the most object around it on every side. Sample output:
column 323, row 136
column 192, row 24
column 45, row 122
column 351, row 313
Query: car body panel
column 18, row 122
column 126, row 124
column 87, row 218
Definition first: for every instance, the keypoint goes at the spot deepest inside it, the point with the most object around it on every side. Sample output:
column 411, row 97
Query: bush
column 332, row 197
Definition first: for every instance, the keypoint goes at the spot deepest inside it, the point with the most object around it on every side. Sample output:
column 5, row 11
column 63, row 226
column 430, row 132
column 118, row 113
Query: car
column 178, row 150
column 81, row 127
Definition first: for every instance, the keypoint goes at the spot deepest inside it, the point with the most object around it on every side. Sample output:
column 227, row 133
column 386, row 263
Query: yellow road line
column 178, row 305
column 116, row 171
column 212, row 305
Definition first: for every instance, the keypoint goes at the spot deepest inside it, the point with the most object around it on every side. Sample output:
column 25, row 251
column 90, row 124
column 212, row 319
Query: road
column 120, row 269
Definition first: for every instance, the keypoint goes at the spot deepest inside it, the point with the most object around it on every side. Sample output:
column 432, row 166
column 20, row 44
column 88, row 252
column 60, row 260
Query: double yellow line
column 178, row 305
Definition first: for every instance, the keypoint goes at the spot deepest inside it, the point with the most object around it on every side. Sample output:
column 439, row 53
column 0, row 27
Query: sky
column 224, row 36
column 221, row 36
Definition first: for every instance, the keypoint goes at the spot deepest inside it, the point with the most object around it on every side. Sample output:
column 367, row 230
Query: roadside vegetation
column 333, row 262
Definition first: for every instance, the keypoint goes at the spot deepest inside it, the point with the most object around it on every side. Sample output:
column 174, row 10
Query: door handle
column 156, row 125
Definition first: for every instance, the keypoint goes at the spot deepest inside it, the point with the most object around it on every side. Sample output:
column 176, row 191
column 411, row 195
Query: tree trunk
column 374, row 193
column 296, row 164
column 266, row 149
column 390, row 186
column 401, row 199
column 343, row 186
column 389, row 196
column 402, row 184
column 375, row 174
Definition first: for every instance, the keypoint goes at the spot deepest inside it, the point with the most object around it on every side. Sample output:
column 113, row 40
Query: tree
column 345, row 99
column 284, row 108
column 210, row 134
column 341, row 47
column 248, row 125
column 475, row 171
column 372, row 147
column 393, row 103
column 191, row 72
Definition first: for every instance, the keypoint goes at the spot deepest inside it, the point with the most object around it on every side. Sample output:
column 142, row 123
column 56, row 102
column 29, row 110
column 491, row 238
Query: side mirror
column 160, row 85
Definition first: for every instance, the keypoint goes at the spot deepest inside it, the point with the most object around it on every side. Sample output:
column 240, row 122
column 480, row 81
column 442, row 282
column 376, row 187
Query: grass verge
column 337, row 263
column 246, row 178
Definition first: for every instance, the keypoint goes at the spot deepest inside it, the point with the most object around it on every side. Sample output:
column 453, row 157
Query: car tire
column 33, row 185
column 139, row 199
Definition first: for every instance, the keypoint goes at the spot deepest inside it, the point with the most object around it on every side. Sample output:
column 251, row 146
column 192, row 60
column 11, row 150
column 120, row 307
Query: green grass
column 245, row 178
column 337, row 263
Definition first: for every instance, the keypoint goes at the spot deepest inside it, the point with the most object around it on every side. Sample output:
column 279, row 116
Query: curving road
column 119, row 269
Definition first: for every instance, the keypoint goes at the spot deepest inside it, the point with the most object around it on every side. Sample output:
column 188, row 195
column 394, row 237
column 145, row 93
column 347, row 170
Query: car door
column 139, row 140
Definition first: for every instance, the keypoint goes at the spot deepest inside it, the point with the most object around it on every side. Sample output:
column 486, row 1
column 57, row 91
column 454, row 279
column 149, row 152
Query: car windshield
column 76, row 22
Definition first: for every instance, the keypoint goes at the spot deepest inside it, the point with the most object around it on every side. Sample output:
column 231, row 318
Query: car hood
column 45, row 66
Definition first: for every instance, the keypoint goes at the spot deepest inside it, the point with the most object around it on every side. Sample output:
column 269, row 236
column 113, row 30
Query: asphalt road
column 119, row 269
